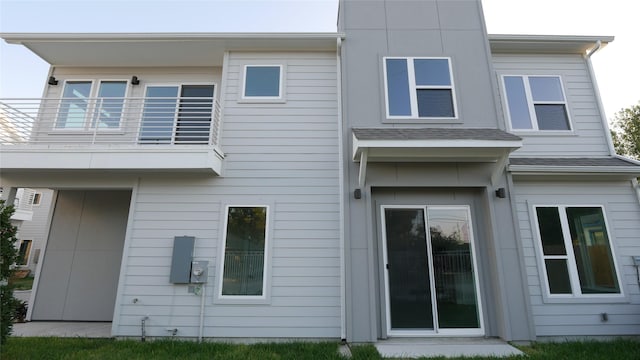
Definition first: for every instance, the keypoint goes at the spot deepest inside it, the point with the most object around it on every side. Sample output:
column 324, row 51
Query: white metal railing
column 153, row 120
column 24, row 199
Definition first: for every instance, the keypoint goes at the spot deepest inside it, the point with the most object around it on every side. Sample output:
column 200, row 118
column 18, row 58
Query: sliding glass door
column 430, row 271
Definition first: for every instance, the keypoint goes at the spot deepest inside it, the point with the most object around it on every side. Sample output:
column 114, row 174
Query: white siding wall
column 284, row 155
column 588, row 136
column 36, row 229
column 576, row 318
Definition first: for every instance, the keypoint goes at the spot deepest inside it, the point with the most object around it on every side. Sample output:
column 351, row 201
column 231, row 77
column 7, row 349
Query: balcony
column 157, row 134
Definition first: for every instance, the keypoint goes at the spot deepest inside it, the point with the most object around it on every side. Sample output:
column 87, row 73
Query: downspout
column 343, row 274
column 603, row 117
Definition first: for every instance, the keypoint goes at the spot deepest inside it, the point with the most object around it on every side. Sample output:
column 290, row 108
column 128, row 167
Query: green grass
column 78, row 348
column 22, row 284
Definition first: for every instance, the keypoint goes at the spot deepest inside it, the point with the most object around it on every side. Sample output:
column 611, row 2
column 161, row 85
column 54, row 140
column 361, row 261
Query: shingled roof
column 432, row 134
column 610, row 161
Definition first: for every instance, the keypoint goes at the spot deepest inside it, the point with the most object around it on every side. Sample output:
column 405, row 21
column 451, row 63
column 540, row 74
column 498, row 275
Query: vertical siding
column 284, row 155
column 36, row 229
column 588, row 136
column 576, row 317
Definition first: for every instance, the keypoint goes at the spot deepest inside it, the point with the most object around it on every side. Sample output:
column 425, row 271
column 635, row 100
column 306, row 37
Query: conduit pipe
column 202, row 299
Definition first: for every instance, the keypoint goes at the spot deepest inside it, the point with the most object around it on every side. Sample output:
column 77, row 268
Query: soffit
column 162, row 49
column 545, row 44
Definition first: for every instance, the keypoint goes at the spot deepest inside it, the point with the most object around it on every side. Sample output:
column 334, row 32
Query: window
column 37, row 198
column 243, row 268
column 75, row 105
column 110, row 104
column 577, row 254
column 167, row 118
column 78, row 108
column 23, row 252
column 262, row 82
column 536, row 103
column 419, row 88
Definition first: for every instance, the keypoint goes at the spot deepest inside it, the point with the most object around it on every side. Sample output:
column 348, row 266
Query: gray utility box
column 181, row 260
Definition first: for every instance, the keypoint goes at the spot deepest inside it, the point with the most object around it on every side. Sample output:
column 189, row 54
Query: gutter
column 343, row 273
column 603, row 117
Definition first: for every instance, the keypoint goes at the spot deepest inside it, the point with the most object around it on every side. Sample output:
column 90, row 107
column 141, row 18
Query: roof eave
column 553, row 44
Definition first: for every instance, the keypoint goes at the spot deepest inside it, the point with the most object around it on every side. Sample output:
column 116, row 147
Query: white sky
column 23, row 74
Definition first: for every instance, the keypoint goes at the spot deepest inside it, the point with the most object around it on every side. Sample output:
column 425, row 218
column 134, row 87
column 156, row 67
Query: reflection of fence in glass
column 243, row 273
column 454, row 276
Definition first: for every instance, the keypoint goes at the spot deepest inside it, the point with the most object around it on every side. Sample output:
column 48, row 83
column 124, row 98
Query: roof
column 610, row 161
column 545, row 44
column 432, row 134
column 161, row 49
column 609, row 166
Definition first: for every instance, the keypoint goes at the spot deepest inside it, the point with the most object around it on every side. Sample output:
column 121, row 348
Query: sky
column 22, row 74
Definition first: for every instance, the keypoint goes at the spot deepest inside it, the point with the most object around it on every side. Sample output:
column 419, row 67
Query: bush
column 8, row 257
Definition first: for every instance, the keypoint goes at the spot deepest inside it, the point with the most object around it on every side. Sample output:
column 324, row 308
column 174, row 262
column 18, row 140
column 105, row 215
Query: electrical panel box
column 199, row 272
column 181, row 260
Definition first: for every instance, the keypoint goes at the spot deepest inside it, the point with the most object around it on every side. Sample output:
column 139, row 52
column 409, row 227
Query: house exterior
column 483, row 194
column 234, row 144
column 32, row 233
column 406, row 176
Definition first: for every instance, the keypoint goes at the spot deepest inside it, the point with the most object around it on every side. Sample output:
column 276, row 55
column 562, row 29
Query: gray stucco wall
column 431, row 28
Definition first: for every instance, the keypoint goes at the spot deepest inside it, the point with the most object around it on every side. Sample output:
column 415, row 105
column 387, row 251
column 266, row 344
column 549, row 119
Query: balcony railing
column 126, row 121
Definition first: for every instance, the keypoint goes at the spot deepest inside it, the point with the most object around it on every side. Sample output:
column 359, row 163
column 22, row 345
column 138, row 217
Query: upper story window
column 536, row 103
column 419, row 88
column 78, row 109
column 262, row 82
column 575, row 248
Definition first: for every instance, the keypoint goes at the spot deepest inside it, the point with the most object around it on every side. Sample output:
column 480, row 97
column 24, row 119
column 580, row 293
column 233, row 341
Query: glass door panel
column 450, row 233
column 194, row 116
column 410, row 303
column 158, row 115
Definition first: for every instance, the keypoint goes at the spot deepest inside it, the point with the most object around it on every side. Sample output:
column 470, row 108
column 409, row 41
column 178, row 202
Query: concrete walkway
column 447, row 347
column 62, row 329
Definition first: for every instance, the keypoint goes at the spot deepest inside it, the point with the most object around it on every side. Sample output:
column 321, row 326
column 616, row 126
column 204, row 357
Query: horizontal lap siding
column 284, row 155
column 623, row 216
column 588, row 137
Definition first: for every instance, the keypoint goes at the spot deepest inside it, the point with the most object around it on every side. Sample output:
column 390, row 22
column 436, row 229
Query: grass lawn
column 22, row 283
column 77, row 348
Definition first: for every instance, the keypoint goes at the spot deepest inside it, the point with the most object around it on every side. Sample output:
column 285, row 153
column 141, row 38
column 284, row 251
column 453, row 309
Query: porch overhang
column 433, row 145
column 188, row 158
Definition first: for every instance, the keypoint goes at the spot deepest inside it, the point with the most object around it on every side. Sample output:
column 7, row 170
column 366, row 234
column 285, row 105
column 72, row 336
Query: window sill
column 262, row 101
column 617, row 298
column 84, row 132
column 241, row 300
column 555, row 133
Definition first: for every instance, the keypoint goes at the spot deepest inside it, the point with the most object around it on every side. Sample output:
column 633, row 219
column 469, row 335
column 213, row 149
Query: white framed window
column 419, row 87
column 536, row 102
column 243, row 266
column 23, row 252
column 91, row 104
column 576, row 252
column 37, row 199
column 263, row 82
